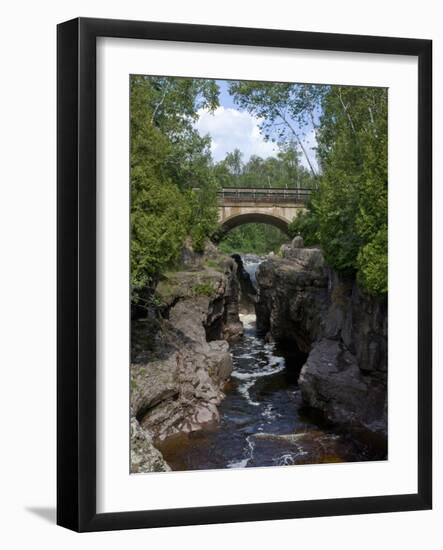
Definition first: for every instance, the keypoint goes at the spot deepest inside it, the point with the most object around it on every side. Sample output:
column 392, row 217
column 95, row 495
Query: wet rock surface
column 343, row 330
column 263, row 421
column 293, row 298
column 296, row 391
column 144, row 456
column 248, row 292
column 177, row 380
column 332, row 381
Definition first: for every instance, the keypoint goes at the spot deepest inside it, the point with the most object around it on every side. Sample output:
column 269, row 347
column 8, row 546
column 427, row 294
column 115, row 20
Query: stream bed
column 263, row 421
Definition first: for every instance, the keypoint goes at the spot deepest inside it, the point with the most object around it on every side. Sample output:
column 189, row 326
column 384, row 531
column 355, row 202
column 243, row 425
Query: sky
column 230, row 128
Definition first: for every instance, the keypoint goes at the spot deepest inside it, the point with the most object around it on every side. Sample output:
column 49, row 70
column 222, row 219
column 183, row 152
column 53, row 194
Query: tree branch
column 299, row 141
column 345, row 109
column 160, row 103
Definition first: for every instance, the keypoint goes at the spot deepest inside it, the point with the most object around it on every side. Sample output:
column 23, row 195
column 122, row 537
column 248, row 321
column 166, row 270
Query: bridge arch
column 273, row 206
column 253, row 217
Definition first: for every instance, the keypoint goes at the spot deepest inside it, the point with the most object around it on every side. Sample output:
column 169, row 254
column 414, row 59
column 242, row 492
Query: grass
column 213, row 264
column 166, row 289
column 203, row 289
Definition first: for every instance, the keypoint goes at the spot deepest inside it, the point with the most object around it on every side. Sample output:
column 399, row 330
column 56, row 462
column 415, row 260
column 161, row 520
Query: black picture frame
column 76, row 266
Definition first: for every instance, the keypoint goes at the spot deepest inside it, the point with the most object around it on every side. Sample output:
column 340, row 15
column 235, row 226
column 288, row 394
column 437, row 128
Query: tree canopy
column 285, row 110
column 283, row 170
column 168, row 160
column 174, row 179
column 348, row 214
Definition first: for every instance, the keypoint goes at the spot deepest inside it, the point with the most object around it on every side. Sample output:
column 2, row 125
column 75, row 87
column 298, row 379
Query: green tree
column 203, row 215
column 286, row 110
column 253, row 238
column 168, row 159
column 348, row 214
column 283, row 170
column 306, row 224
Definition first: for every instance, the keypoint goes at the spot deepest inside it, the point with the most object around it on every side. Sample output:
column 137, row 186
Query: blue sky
column 225, row 97
column 231, row 128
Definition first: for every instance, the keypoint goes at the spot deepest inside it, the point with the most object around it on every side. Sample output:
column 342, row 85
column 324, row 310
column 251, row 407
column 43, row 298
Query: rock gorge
column 181, row 361
column 180, row 354
column 304, row 303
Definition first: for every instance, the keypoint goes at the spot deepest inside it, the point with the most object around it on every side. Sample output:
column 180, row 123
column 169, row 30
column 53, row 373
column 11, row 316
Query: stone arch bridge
column 274, row 206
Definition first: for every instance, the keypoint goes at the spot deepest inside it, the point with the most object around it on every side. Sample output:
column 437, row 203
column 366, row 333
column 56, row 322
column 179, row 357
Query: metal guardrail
column 263, row 194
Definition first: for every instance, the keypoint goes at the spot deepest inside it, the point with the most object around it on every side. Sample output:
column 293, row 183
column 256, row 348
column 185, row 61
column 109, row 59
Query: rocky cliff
column 248, row 293
column 180, row 355
column 344, row 331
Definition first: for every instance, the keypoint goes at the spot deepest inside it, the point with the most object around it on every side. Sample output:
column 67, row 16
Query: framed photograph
column 244, row 274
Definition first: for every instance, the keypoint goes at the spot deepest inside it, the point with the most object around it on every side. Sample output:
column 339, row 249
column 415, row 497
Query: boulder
column 344, row 331
column 297, row 242
column 332, row 381
column 292, row 301
column 248, row 292
column 144, row 456
column 308, row 258
column 178, row 388
column 182, row 391
column 154, row 382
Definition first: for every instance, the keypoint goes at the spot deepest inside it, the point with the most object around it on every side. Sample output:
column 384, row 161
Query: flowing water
column 263, row 421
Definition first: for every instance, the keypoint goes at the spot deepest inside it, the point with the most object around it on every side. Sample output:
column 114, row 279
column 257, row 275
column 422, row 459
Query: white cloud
column 231, row 129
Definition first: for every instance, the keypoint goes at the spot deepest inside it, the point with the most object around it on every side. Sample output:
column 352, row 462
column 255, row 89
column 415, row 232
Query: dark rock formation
column 344, row 331
column 181, row 359
column 293, row 298
column 248, row 292
column 216, row 280
column 181, row 392
column 232, row 327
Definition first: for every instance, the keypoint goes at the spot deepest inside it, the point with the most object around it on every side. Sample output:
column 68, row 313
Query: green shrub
column 253, row 238
column 203, row 289
column 373, row 264
column 213, row 264
column 168, row 159
column 306, row 225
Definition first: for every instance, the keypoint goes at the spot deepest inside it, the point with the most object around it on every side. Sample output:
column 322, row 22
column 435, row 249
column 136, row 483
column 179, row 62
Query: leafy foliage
column 203, row 289
column 203, row 217
column 174, row 180
column 253, row 238
column 373, row 262
column 283, row 170
column 286, row 110
column 168, row 159
column 350, row 208
column 305, row 224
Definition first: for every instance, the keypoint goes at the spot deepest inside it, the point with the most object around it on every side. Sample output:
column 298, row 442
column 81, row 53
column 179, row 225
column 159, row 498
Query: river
column 263, row 421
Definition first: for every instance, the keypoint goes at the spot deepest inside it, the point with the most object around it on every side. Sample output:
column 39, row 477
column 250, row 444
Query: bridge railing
column 263, row 194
